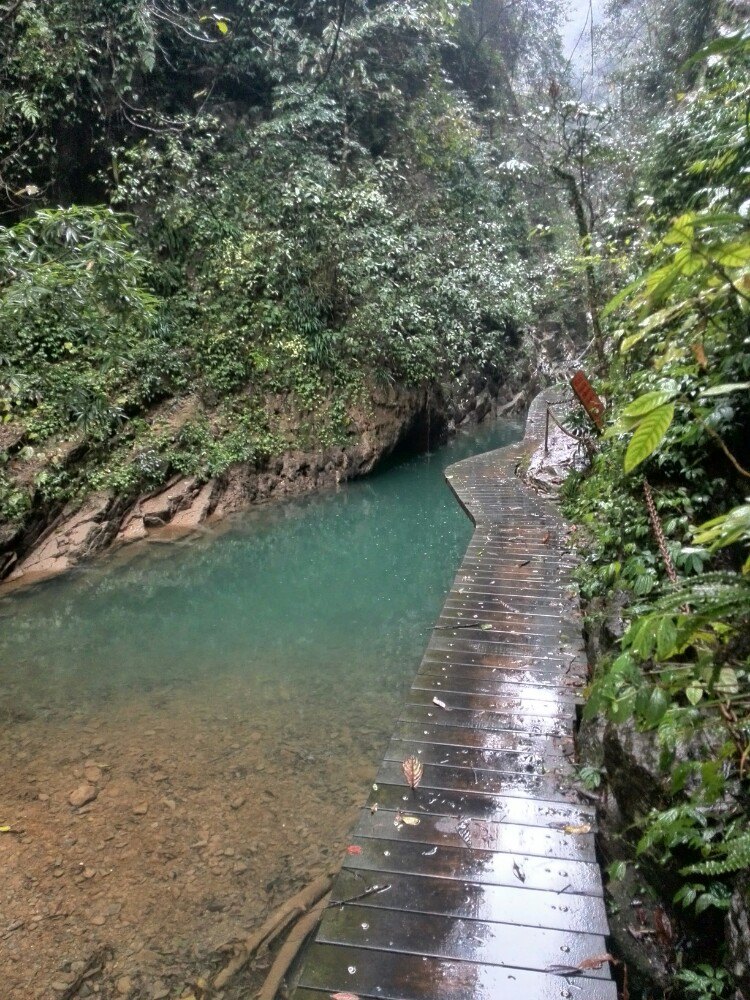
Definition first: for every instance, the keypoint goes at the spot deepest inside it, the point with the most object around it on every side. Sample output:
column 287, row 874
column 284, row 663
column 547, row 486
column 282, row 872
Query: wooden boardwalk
column 488, row 892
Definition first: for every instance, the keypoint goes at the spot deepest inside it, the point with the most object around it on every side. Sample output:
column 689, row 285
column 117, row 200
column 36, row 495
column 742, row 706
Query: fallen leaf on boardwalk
column 546, row 538
column 464, row 831
column 344, row 996
column 581, row 829
column 597, row 962
column 518, row 872
column 354, row 849
column 588, row 964
column 440, row 704
column 524, row 563
column 413, row 771
column 486, row 627
column 374, row 807
column 400, row 820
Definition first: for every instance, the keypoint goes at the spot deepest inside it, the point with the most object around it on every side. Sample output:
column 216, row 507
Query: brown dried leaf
column 597, row 961
column 663, row 928
column 413, row 771
column 577, row 830
column 699, row 354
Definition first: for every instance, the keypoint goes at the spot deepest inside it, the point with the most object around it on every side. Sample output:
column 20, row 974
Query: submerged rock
column 83, row 794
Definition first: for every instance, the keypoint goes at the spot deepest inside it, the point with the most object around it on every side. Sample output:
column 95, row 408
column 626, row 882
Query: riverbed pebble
column 83, row 794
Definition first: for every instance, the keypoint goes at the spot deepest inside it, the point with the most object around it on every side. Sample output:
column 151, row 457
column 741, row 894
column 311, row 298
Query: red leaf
column 354, row 849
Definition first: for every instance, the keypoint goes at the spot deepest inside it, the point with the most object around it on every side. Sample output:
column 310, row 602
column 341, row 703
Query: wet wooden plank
column 527, row 669
column 499, row 808
column 505, row 761
column 478, row 835
column 563, row 876
column 549, row 746
column 542, row 648
column 553, row 706
column 391, row 976
column 507, row 944
column 532, row 725
column 550, row 787
column 427, row 894
column 490, row 680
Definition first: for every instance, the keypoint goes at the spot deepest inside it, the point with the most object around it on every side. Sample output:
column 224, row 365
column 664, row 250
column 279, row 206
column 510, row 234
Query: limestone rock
column 79, row 535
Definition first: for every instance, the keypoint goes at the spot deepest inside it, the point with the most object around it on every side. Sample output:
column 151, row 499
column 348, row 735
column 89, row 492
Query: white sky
column 578, row 12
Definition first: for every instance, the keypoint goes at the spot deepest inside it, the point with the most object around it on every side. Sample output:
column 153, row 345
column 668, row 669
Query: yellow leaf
column 410, row 820
column 583, row 828
column 5, row 829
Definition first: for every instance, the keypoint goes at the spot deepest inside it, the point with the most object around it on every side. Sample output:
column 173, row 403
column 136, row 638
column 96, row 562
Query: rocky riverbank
column 55, row 541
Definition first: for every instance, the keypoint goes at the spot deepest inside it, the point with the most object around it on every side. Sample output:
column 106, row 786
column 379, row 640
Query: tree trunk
column 584, row 235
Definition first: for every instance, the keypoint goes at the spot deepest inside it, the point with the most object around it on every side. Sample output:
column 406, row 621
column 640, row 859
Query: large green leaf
column 647, row 402
column 657, row 705
column 725, row 389
column 648, row 435
column 615, row 302
column 735, row 254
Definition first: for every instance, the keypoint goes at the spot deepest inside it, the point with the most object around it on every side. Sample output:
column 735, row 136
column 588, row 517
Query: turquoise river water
column 331, row 596
column 224, row 702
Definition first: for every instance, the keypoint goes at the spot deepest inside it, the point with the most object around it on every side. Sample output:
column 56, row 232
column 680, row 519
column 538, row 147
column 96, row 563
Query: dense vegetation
column 665, row 505
column 266, row 210
column 243, row 204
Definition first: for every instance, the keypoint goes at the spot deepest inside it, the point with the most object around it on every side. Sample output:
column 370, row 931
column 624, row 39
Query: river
column 226, row 700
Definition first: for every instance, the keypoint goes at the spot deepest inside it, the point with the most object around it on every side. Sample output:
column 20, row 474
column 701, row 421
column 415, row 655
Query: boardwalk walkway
column 488, row 891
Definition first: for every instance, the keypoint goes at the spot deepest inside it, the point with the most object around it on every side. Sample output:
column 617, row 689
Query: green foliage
column 308, row 205
column 679, row 410
column 705, row 982
column 83, row 342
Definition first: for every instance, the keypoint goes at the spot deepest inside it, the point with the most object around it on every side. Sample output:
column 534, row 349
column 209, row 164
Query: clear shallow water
column 234, row 695
column 329, row 597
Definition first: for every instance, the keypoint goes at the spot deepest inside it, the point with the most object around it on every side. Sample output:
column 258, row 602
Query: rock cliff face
column 394, row 418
